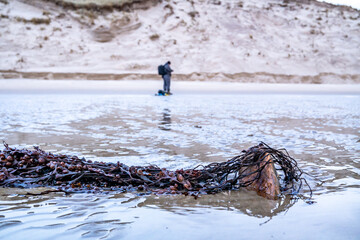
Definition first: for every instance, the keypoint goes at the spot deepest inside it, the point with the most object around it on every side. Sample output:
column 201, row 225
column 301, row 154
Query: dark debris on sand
column 35, row 168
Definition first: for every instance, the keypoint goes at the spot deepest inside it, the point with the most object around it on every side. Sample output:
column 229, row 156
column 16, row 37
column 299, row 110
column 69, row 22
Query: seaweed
column 34, row 168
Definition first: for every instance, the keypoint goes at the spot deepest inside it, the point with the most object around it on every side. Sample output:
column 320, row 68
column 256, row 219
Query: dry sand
column 178, row 87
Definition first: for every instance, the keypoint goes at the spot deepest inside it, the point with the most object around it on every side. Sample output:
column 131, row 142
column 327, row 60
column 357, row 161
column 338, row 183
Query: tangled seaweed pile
column 32, row 168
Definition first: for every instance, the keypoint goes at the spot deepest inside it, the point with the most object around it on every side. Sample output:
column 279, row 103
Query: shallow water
column 321, row 131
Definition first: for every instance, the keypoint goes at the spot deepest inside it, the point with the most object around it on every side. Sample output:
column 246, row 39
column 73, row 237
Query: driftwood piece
column 263, row 177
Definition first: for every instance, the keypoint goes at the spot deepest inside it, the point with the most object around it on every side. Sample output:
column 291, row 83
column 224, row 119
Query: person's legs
column 164, row 83
column 167, row 83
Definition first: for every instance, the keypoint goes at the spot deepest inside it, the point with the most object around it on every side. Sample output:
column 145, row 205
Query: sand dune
column 247, row 41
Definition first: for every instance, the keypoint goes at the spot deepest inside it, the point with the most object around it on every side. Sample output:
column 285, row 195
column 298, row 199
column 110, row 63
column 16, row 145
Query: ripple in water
column 321, row 131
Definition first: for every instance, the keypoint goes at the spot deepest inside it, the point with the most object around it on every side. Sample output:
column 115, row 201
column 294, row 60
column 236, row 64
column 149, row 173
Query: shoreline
column 33, row 86
column 240, row 77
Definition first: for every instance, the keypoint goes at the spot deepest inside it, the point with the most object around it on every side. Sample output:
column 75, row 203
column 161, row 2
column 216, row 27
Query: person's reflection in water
column 165, row 122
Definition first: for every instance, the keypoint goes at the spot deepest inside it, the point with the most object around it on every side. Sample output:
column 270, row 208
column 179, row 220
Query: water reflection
column 74, row 206
column 247, row 202
column 322, row 136
column 101, row 216
column 132, row 216
column 165, row 122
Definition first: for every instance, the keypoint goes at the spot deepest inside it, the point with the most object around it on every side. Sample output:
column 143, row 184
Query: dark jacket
column 168, row 70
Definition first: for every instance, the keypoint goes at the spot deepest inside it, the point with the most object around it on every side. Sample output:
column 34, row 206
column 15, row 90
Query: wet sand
column 318, row 125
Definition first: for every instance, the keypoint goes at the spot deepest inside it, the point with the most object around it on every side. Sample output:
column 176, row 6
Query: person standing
column 167, row 77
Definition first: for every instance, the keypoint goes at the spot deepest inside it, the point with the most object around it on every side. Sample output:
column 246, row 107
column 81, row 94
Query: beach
column 180, row 87
column 201, row 123
column 79, row 79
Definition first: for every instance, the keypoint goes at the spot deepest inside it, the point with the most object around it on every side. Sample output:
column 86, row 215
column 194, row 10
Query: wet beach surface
column 321, row 131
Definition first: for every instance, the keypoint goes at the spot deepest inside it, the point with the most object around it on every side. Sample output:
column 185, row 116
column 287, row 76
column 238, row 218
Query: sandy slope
column 203, row 36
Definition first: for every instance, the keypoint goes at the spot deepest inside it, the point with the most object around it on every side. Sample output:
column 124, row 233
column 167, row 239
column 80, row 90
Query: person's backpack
column 161, row 93
column 161, row 70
